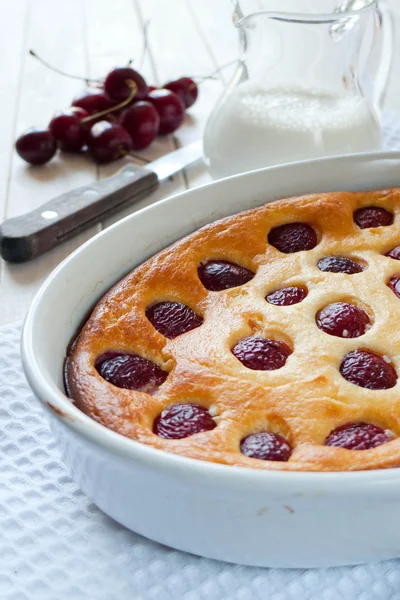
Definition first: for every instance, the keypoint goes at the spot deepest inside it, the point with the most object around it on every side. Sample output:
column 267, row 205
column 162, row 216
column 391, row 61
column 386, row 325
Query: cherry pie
column 270, row 339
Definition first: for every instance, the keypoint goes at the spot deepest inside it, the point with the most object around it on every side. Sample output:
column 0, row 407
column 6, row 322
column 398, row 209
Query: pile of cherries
column 112, row 119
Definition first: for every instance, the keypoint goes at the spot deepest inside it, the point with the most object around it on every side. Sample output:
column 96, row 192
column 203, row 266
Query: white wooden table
column 89, row 37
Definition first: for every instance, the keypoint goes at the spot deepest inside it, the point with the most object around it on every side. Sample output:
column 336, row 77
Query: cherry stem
column 60, row 72
column 132, row 85
column 144, row 48
column 202, row 78
column 145, row 43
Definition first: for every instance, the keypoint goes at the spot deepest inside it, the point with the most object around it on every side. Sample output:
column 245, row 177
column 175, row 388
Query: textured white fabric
column 56, row 545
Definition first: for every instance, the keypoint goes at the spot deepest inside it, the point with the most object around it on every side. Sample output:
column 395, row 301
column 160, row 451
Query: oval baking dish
column 217, row 511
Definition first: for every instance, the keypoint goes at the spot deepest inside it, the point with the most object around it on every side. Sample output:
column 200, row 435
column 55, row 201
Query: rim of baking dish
column 51, row 396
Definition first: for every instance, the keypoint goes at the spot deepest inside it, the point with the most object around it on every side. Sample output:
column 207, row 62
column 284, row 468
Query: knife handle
column 30, row 235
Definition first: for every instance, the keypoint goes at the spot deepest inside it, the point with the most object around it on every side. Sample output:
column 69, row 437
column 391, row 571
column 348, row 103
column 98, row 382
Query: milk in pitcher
column 258, row 127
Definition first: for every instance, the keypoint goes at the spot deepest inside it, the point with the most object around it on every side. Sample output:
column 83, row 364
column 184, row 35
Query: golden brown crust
column 305, row 399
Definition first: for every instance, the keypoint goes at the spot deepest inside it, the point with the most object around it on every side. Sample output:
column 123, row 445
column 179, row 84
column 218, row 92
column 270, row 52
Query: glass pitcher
column 311, row 78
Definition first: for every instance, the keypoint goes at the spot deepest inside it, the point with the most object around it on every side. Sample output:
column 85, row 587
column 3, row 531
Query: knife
column 30, row 235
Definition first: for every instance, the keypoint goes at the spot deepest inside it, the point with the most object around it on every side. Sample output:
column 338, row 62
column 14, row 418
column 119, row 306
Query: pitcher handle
column 382, row 47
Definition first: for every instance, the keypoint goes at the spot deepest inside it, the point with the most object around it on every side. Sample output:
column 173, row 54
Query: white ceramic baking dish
column 252, row 517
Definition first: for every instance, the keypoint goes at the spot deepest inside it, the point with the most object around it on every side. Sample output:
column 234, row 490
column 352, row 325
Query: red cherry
column 141, row 121
column 217, row 275
column 173, row 318
column 343, row 320
column 287, row 296
column 108, row 142
column 368, row 370
column 394, row 253
column 185, row 88
column 68, row 130
column 182, row 420
column 36, row 146
column 130, row 371
column 117, row 84
column 372, row 216
column 358, row 436
column 293, row 237
column 93, row 101
column 170, row 108
column 339, row 264
column 266, row 446
column 394, row 285
column 261, row 354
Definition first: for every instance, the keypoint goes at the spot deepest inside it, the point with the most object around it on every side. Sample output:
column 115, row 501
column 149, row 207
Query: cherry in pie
column 269, row 339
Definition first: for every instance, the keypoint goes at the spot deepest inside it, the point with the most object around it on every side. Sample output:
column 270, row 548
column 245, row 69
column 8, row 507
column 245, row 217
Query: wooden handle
column 32, row 234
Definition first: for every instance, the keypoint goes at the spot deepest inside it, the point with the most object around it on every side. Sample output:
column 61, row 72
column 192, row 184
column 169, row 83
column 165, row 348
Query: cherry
column 117, row 84
column 185, row 88
column 266, row 446
column 182, row 420
column 141, row 121
column 69, row 131
column 372, row 216
column 358, row 436
column 151, row 88
column 339, row 264
column 130, row 371
column 394, row 285
column 261, row 354
column 287, row 296
column 368, row 370
column 170, row 108
column 110, row 114
column 173, row 318
column 394, row 253
column 217, row 275
column 36, row 146
column 343, row 320
column 293, row 237
column 93, row 101
column 108, row 142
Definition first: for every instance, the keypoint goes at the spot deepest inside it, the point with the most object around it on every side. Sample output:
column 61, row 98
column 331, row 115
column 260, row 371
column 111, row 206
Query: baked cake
column 269, row 339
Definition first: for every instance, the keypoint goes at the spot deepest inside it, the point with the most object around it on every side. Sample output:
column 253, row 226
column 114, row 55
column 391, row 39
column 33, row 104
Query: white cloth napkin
column 56, row 545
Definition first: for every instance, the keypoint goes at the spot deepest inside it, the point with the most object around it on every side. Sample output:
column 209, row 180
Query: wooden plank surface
column 88, row 37
column 41, row 92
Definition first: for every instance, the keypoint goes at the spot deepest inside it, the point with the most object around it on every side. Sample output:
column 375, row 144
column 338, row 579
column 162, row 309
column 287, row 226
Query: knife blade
column 173, row 162
column 30, row 235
